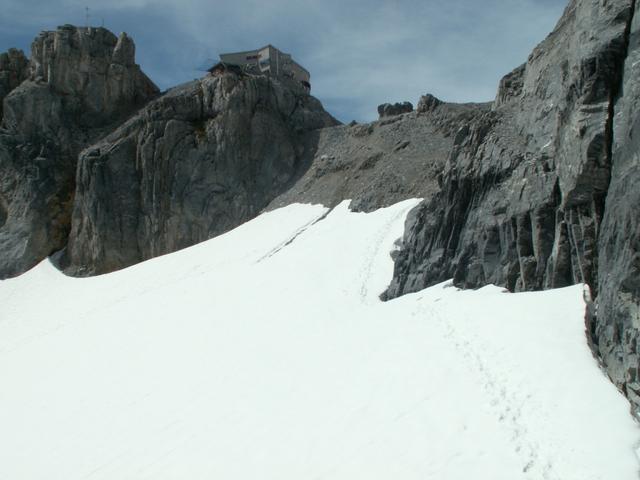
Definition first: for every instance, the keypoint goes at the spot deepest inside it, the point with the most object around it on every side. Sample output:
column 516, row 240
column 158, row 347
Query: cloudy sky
column 360, row 52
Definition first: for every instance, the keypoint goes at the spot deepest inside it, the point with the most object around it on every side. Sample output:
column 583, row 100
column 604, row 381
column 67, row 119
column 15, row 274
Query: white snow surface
column 265, row 353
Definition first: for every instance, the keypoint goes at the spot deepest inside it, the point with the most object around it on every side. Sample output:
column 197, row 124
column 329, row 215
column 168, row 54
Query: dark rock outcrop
column 541, row 192
column 81, row 83
column 198, row 161
column 391, row 109
column 428, row 103
column 523, row 190
column 616, row 326
column 14, row 69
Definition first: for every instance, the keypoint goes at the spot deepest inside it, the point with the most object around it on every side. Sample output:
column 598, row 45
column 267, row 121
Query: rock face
column 14, row 69
column 428, row 103
column 524, row 188
column 616, row 329
column 390, row 109
column 541, row 192
column 196, row 162
column 80, row 84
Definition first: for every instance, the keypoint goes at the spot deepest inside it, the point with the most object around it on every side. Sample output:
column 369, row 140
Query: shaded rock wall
column 81, row 83
column 14, row 69
column 93, row 69
column 524, row 187
column 616, row 327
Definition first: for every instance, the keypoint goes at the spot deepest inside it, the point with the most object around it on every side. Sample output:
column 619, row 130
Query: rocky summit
column 78, row 84
column 535, row 190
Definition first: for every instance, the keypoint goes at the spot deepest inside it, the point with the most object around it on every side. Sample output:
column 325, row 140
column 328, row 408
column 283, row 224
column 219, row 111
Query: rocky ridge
column 198, row 161
column 391, row 109
column 378, row 164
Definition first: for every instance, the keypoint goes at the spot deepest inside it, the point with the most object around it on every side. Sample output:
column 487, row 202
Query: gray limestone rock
column 523, row 190
column 81, row 82
column 427, row 103
column 511, row 86
column 391, row 109
column 615, row 329
column 198, row 161
column 14, row 69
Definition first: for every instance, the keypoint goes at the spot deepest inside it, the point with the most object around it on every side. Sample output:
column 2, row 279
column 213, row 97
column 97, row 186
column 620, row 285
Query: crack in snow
column 295, row 235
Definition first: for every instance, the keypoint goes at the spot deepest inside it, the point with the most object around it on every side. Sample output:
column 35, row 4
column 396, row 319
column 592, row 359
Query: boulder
column 523, row 190
column 428, row 103
column 391, row 109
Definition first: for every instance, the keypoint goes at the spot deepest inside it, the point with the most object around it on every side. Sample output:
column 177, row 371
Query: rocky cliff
column 540, row 192
column 79, row 84
column 381, row 163
column 14, row 69
column 198, row 161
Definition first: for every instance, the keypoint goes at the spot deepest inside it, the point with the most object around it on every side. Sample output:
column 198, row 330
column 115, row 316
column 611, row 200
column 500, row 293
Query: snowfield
column 265, row 353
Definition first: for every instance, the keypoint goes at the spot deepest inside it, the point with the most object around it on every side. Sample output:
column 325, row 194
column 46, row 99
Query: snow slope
column 266, row 354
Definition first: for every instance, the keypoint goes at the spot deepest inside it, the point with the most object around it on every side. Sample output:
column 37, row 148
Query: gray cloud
column 360, row 53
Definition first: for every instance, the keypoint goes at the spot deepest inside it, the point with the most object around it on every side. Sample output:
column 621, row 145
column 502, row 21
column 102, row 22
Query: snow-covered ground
column 266, row 354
